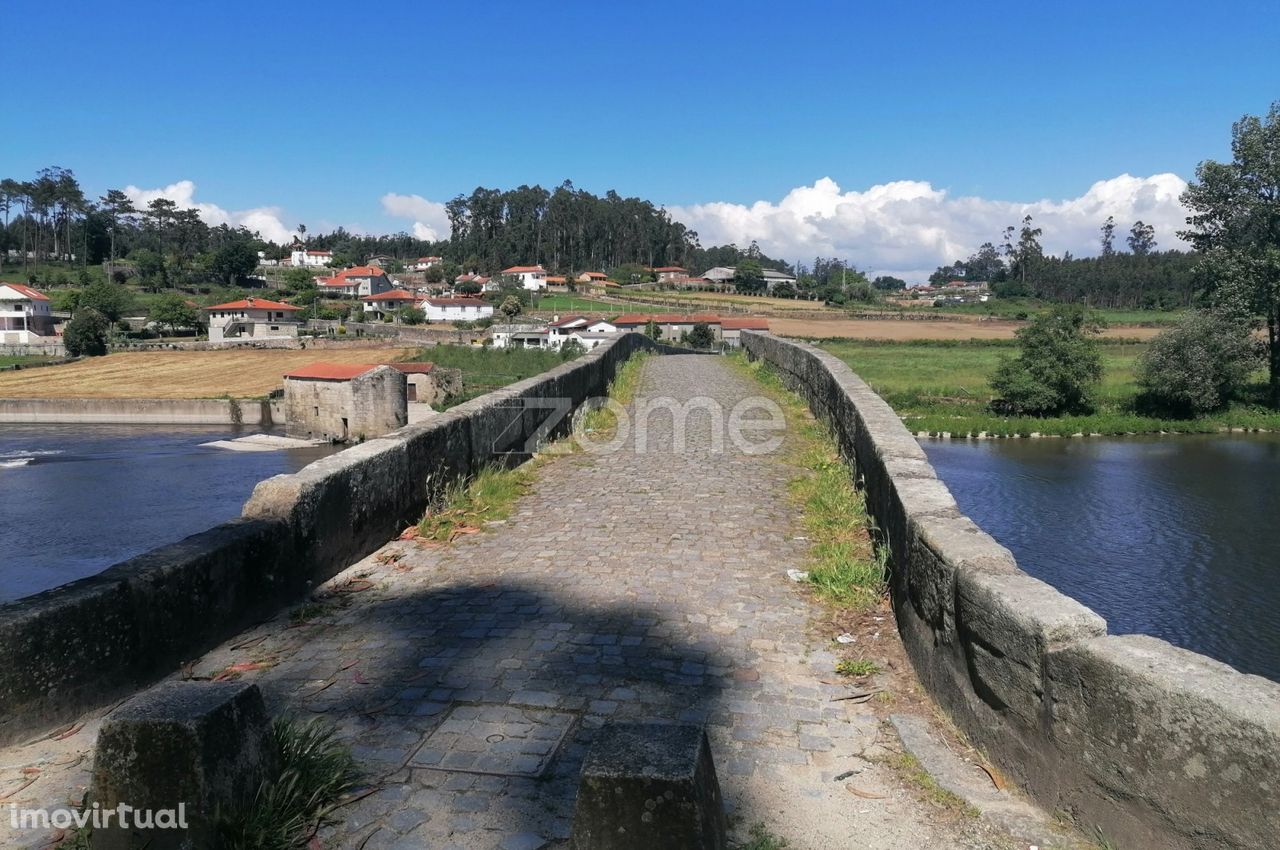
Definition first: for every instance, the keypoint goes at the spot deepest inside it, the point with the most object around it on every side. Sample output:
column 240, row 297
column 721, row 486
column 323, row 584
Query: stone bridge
column 648, row 583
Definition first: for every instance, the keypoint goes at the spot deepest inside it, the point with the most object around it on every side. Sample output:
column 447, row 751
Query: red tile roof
column 393, row 295
column 360, row 271
column 26, row 290
column 667, row 319
column 749, row 323
column 253, row 304
column 331, row 371
column 520, row 269
column 670, row 269
column 413, row 368
column 597, row 275
column 569, row 320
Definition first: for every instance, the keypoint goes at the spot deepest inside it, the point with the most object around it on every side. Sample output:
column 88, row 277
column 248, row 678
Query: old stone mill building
column 342, row 402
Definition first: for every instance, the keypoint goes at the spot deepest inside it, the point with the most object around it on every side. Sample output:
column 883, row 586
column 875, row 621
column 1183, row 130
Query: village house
column 731, row 329
column 252, row 318
column 519, row 336
column 590, row 339
column 722, row 277
column 342, row 402
column 670, row 274
column 356, row 282
column 423, row 263
column 24, row 315
column 302, row 258
column 561, row 329
column 672, row 327
column 529, row 277
column 592, row 277
column 380, row 261
column 387, row 303
column 456, row 309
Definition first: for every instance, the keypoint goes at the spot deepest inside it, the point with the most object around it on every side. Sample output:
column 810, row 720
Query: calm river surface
column 1177, row 537
column 78, row 498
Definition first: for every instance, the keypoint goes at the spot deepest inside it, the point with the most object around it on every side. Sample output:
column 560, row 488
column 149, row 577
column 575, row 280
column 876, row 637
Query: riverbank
column 940, row 388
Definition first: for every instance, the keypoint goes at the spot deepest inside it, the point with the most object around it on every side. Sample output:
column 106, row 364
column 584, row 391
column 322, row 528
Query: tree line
column 1142, row 277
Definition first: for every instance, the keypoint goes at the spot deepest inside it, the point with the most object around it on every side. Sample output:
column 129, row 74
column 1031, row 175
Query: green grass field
column 942, row 387
column 570, row 303
column 487, row 369
column 7, row 360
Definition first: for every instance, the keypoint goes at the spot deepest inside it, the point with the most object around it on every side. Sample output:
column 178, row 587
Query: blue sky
column 317, row 111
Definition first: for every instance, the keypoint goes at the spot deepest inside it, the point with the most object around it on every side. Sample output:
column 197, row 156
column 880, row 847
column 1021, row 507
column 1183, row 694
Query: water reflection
column 1172, row 537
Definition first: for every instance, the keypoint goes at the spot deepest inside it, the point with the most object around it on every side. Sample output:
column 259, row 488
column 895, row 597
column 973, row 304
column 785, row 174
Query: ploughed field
column 245, row 373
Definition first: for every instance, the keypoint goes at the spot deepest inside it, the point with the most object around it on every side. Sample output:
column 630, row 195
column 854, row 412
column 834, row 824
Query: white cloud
column 430, row 221
column 263, row 220
column 908, row 228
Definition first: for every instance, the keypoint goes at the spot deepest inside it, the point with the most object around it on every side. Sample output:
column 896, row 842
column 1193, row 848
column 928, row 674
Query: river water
column 75, row 499
column 1176, row 537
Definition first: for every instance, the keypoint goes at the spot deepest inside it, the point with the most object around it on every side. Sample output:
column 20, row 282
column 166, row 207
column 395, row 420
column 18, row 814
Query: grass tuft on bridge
column 844, row 566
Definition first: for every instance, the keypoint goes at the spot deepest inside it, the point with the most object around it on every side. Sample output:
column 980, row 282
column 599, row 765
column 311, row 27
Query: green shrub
column 1058, row 367
column 1198, row 365
column 86, row 333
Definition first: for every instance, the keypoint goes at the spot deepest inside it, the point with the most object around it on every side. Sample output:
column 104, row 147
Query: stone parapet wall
column 1149, row 745
column 83, row 645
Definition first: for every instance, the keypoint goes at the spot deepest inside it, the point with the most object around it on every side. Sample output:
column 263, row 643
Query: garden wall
column 1151, row 745
column 82, row 645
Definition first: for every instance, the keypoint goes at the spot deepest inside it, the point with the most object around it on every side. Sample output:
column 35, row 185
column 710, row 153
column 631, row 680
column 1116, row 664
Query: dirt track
column 178, row 374
column 903, row 330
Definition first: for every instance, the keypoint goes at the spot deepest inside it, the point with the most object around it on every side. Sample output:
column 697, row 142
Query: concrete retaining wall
column 82, row 645
column 137, row 411
column 1154, row 746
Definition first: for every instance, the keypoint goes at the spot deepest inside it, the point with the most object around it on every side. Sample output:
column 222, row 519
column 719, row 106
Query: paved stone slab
column 498, row 739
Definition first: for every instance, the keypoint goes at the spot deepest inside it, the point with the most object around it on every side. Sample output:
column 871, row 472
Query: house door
column 344, row 429
column 413, row 392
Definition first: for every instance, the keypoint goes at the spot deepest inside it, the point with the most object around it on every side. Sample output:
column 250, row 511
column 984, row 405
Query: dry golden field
column 244, row 373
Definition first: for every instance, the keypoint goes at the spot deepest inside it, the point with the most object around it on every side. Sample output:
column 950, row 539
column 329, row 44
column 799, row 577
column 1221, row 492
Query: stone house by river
column 344, row 402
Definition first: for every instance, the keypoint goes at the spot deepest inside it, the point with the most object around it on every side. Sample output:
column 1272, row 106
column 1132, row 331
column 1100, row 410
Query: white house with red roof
column 423, row 263
column 24, row 315
column 670, row 274
column 387, row 303
column 356, row 282
column 303, row 258
column 529, row 277
column 252, row 318
column 456, row 309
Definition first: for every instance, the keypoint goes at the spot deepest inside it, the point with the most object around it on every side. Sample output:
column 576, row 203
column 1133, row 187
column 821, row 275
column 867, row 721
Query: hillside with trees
column 1141, row 277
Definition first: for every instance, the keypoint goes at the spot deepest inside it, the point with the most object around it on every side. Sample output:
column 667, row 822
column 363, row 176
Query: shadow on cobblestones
column 475, row 703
